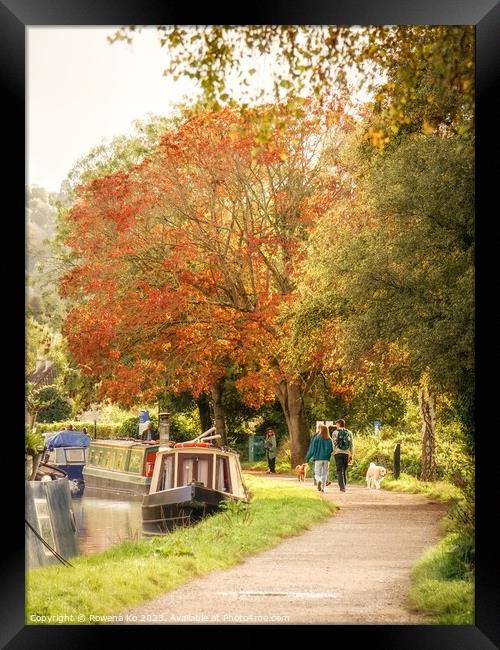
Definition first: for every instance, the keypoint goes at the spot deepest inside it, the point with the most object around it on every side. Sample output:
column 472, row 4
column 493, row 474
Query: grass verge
column 443, row 585
column 282, row 466
column 440, row 490
column 132, row 572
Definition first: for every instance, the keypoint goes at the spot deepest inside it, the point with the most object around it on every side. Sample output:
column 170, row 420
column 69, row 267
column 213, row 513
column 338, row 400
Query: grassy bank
column 443, row 579
column 440, row 490
column 282, row 466
column 124, row 576
column 443, row 584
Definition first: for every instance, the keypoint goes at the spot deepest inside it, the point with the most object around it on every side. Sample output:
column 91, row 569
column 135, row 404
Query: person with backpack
column 343, row 451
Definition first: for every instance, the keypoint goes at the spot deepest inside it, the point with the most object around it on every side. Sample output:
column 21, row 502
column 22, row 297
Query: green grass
column 443, row 584
column 282, row 466
column 439, row 490
column 127, row 574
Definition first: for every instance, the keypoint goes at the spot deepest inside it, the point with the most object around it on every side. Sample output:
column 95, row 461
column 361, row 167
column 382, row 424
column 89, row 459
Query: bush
column 56, row 405
column 109, row 430
column 129, row 428
column 368, row 449
column 34, row 442
column 184, row 426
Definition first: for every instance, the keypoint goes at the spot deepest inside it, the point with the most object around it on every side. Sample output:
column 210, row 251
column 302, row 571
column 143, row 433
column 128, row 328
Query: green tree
column 400, row 283
column 46, row 404
column 394, row 62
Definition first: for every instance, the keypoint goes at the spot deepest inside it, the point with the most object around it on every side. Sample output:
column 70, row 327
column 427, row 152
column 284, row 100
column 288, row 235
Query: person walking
column 270, row 447
column 320, row 450
column 343, row 452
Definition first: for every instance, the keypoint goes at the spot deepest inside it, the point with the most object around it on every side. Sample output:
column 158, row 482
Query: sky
column 81, row 90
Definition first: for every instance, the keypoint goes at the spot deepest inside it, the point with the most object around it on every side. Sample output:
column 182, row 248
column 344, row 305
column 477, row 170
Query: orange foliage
column 186, row 260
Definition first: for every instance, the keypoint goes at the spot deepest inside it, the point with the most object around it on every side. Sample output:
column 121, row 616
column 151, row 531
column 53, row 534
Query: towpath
column 353, row 568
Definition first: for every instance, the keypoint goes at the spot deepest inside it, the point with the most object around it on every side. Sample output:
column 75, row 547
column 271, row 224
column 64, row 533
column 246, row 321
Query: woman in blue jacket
column 320, row 451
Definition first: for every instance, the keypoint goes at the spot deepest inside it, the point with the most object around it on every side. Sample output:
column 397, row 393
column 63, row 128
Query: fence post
column 397, row 460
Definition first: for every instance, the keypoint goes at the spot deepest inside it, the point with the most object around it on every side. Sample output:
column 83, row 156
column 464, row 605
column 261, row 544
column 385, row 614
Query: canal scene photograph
column 249, row 325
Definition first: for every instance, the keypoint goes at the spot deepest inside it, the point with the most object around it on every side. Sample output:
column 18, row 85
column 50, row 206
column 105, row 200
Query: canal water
column 102, row 523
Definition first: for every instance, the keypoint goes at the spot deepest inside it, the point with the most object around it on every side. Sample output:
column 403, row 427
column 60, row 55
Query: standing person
column 343, row 451
column 320, row 449
column 148, row 433
column 270, row 447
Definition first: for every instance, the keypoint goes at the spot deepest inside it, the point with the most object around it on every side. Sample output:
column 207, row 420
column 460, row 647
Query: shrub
column 109, row 430
column 368, row 449
column 129, row 428
column 33, row 442
column 53, row 404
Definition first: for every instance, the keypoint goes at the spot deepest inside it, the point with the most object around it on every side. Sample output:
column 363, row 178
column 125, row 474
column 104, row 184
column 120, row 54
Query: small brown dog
column 301, row 471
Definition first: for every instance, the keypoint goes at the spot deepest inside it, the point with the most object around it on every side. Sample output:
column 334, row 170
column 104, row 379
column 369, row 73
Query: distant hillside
column 41, row 222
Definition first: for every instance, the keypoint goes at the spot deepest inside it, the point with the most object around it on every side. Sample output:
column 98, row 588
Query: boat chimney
column 164, row 428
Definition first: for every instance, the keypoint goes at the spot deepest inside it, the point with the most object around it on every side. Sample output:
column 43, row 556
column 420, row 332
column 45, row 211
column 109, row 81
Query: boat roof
column 187, row 448
column 67, row 438
column 126, row 443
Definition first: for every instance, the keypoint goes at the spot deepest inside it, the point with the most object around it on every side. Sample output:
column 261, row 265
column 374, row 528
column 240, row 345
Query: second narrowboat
column 121, row 468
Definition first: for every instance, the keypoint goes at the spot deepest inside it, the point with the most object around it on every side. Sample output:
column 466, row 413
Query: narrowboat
column 191, row 480
column 51, row 534
column 68, row 450
column 121, row 468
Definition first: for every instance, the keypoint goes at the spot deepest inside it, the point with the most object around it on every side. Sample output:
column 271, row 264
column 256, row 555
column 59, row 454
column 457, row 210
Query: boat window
column 120, row 456
column 109, row 458
column 222, row 481
column 75, row 455
column 94, row 456
column 166, row 479
column 60, row 456
column 187, row 471
column 136, row 460
column 203, row 471
column 194, row 469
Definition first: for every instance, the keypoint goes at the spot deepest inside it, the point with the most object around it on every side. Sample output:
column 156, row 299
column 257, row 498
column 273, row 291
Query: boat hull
column 100, row 482
column 49, row 515
column 164, row 511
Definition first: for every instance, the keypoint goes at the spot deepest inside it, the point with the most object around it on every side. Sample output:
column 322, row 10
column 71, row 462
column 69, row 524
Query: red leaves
column 186, row 260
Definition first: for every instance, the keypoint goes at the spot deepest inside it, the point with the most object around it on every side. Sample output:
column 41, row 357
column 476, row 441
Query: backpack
column 343, row 439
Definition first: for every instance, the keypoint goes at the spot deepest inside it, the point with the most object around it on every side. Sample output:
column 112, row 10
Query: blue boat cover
column 68, row 438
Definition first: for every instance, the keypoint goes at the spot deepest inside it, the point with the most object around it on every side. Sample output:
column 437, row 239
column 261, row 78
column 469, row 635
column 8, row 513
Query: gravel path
column 354, row 568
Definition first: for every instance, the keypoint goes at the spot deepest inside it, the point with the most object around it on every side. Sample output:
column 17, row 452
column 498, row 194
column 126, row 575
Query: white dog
column 374, row 476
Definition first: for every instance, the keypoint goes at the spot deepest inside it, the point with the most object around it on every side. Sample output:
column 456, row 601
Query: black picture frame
column 15, row 16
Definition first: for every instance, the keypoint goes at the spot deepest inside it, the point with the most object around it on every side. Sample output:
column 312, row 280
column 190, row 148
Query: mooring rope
column 57, row 555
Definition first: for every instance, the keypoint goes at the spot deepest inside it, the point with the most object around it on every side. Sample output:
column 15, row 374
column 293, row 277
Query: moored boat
column 68, row 450
column 191, row 480
column 120, row 468
column 51, row 534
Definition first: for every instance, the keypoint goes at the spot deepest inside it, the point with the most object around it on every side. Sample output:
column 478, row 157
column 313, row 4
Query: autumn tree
column 188, row 260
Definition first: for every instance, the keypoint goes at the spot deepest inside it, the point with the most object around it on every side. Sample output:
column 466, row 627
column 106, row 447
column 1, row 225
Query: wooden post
column 397, row 460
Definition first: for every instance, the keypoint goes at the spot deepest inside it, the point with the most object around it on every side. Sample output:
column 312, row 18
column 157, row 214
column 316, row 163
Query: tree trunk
column 427, row 403
column 204, row 411
column 219, row 414
column 32, row 419
column 292, row 402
